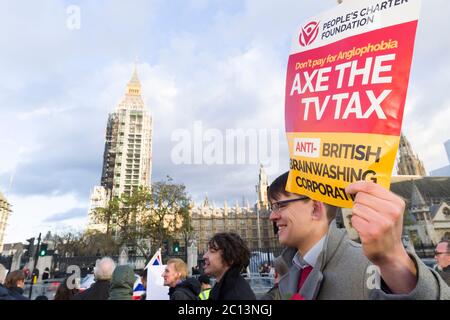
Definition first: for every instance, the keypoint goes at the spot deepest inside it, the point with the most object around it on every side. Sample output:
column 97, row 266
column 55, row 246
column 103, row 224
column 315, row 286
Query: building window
column 446, row 212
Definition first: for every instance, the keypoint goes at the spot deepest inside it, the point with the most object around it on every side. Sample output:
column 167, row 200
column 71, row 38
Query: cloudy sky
column 218, row 63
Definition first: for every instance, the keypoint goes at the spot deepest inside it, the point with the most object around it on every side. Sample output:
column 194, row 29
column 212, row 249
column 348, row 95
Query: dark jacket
column 232, row 286
column 122, row 283
column 17, row 293
column 4, row 293
column 98, row 291
column 189, row 289
column 445, row 275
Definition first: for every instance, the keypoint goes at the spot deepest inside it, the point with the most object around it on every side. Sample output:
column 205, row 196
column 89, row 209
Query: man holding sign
column 325, row 264
column 346, row 86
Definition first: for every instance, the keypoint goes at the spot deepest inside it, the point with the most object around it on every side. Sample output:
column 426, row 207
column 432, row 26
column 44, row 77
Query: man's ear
column 319, row 210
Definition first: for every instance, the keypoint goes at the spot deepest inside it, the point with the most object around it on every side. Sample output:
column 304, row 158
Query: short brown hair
column 278, row 188
column 13, row 277
column 180, row 266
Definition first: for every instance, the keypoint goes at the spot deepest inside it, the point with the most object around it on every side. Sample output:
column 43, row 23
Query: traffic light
column 29, row 247
column 166, row 246
column 43, row 250
column 176, row 247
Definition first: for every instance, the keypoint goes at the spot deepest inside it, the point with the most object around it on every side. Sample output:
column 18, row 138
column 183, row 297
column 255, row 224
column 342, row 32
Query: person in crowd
column 41, row 297
column 4, row 292
column 46, row 274
column 34, row 275
column 122, row 283
column 226, row 258
column 280, row 269
column 261, row 269
column 180, row 286
column 325, row 264
column 205, row 282
column 266, row 269
column 442, row 256
column 15, row 283
column 196, row 270
column 272, row 271
column 27, row 272
column 144, row 284
column 103, row 272
column 67, row 290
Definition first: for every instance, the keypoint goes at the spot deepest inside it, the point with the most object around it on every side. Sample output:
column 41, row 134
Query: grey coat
column 342, row 271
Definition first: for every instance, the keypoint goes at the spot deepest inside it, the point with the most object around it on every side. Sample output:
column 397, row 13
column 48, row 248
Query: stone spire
column 417, row 199
column 134, row 85
column 421, row 212
column 418, row 206
column 225, row 207
column 206, row 202
column 261, row 189
column 408, row 162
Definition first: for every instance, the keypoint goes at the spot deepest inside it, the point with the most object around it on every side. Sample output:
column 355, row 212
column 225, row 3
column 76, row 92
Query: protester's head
column 64, row 292
column 104, row 269
column 15, row 279
column 41, row 297
column 122, row 283
column 225, row 250
column 2, row 273
column 442, row 254
column 298, row 218
column 143, row 276
column 205, row 281
column 176, row 270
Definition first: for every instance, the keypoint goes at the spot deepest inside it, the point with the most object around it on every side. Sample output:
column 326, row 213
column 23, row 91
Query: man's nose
column 274, row 215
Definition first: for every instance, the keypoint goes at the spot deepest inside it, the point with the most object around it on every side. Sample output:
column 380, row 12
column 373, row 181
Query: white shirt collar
column 310, row 258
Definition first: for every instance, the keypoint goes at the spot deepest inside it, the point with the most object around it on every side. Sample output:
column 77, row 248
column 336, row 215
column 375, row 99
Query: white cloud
column 427, row 137
column 29, row 212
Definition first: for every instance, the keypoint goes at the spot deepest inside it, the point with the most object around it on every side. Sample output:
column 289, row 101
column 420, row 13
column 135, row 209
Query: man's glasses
column 436, row 253
column 274, row 207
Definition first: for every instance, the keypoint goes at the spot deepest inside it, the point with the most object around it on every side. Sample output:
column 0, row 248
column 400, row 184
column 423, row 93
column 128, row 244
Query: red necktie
column 305, row 273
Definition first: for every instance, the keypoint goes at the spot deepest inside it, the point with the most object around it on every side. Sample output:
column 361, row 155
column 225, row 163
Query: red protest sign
column 346, row 87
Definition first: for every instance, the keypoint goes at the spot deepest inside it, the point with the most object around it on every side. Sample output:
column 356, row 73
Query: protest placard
column 346, row 86
column 156, row 290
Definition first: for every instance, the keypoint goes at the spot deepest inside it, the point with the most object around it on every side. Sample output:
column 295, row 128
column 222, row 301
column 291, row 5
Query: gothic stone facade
column 208, row 220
